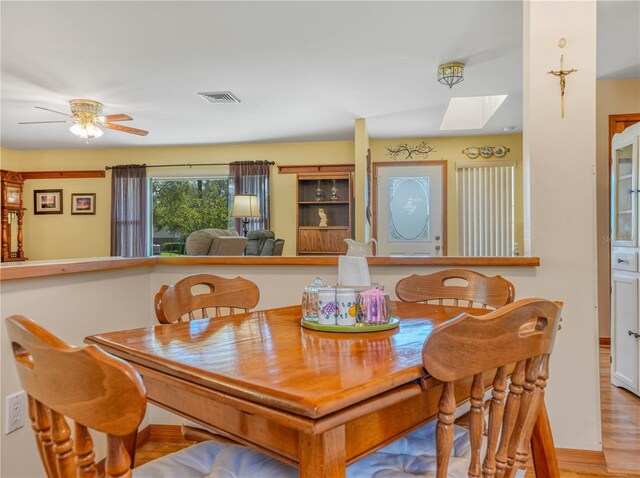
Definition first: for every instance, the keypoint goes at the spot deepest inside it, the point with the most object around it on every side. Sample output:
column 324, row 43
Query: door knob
column 437, row 238
column 636, row 335
column 620, row 261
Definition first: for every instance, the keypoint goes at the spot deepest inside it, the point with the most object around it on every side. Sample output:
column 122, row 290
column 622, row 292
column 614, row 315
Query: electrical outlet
column 14, row 412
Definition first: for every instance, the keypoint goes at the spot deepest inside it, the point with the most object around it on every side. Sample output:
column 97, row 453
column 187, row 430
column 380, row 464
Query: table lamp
column 245, row 206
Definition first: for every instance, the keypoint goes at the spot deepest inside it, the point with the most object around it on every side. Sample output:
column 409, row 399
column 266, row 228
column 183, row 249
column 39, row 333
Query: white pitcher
column 361, row 249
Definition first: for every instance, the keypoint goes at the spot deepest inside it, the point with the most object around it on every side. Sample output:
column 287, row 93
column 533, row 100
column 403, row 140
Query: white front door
column 409, row 200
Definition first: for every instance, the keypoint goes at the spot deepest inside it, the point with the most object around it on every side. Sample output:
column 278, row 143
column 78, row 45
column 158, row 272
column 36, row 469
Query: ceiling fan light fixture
column 451, row 73
column 86, row 130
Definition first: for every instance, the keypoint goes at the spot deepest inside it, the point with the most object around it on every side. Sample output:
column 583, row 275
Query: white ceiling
column 303, row 70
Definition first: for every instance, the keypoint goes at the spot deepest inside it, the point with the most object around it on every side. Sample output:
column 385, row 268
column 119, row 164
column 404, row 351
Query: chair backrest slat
column 84, row 384
column 445, row 428
column 510, row 416
column 83, row 449
column 476, row 424
column 496, row 412
column 173, row 302
column 61, row 435
column 41, row 424
column 516, row 338
column 118, row 463
column 477, row 288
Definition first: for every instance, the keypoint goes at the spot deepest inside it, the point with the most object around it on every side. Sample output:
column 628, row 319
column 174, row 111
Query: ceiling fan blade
column 54, row 111
column 118, row 117
column 126, row 129
column 42, row 122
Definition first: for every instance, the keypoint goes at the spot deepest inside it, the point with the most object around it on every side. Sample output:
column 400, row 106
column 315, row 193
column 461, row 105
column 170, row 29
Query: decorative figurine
column 319, row 195
column 324, row 222
column 334, row 192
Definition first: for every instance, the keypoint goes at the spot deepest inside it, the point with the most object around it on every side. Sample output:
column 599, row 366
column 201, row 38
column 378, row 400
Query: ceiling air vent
column 220, row 97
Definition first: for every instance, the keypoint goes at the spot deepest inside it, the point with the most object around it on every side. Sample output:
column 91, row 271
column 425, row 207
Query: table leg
column 543, row 450
column 323, row 455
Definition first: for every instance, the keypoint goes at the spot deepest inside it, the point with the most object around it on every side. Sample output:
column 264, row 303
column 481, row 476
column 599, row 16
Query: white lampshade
column 86, row 130
column 245, row 205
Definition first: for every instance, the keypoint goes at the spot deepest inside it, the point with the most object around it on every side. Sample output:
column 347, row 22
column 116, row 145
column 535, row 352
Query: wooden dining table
column 317, row 400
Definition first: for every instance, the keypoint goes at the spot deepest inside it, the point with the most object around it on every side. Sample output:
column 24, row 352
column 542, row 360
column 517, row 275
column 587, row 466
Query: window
column 180, row 206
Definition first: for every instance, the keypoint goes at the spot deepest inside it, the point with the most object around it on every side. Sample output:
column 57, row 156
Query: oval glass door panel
column 409, row 208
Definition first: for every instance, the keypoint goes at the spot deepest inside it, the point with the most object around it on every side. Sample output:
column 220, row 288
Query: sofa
column 263, row 243
column 215, row 242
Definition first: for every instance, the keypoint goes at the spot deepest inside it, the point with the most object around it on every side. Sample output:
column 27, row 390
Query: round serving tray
column 393, row 323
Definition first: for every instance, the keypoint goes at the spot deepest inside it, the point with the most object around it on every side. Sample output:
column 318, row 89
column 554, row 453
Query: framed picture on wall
column 47, row 201
column 83, row 203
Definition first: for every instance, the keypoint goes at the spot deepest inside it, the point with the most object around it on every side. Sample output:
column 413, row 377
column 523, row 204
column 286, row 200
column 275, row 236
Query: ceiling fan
column 87, row 118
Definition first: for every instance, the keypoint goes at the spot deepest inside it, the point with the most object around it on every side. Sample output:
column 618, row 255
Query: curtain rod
column 107, row 168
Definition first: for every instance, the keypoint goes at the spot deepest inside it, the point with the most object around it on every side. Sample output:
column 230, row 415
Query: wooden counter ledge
column 30, row 269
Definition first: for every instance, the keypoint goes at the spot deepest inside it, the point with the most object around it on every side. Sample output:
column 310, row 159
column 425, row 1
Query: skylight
column 471, row 112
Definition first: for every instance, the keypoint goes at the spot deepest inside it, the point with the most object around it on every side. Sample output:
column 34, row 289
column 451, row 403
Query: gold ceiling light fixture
column 86, row 112
column 451, row 73
column 87, row 118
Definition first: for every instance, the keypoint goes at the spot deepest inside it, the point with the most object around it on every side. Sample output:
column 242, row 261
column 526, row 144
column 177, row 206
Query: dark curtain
column 129, row 210
column 252, row 177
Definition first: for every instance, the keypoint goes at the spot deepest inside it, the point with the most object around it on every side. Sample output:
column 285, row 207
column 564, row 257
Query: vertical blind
column 485, row 208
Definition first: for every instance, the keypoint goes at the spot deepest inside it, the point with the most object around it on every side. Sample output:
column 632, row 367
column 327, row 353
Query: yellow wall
column 65, row 236
column 612, row 97
column 450, row 149
column 8, row 159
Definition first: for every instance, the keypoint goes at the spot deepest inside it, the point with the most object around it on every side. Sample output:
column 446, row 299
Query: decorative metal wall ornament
column 562, row 74
column 486, row 151
column 423, row 149
column 451, row 73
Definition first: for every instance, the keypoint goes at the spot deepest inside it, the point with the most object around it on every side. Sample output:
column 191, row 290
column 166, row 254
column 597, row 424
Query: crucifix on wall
column 562, row 74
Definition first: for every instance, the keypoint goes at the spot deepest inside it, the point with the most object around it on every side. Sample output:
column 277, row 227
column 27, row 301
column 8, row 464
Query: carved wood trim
column 324, row 168
column 73, row 174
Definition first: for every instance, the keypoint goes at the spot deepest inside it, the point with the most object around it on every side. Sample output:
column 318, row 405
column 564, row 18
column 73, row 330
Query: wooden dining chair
column 517, row 339
column 459, row 287
column 224, row 297
column 95, row 390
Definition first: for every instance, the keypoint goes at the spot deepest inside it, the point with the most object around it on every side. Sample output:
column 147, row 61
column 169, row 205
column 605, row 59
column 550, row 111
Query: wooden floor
column 620, row 422
column 620, row 434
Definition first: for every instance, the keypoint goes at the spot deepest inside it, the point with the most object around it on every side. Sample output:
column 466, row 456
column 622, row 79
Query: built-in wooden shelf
column 313, row 238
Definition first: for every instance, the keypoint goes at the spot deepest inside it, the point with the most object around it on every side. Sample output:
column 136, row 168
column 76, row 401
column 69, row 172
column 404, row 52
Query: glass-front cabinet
column 625, row 255
column 624, row 190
